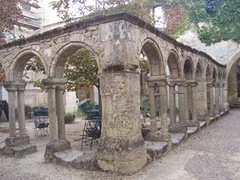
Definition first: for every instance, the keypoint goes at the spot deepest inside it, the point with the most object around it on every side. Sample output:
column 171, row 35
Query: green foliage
column 222, row 24
column 81, row 70
column 69, row 118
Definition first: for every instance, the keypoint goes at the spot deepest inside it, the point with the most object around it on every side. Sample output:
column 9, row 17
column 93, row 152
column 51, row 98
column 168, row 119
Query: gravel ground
column 211, row 154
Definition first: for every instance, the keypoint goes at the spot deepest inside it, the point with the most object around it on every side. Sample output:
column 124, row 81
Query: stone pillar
column 217, row 98
column 194, row 100
column 164, row 135
column 21, row 109
column 221, row 98
column 51, row 88
column 172, row 103
column 11, row 88
column 179, row 127
column 122, row 148
column 202, row 110
column 152, row 101
column 186, row 101
column 60, row 112
column 211, row 111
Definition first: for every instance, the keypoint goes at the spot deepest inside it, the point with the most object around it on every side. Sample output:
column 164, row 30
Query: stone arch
column 188, row 69
column 173, row 64
column 199, row 71
column 16, row 71
column 154, row 56
column 57, row 67
column 232, row 78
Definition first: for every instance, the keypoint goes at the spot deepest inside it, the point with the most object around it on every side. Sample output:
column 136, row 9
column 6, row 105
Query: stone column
column 180, row 127
column 186, row 101
column 194, row 101
column 152, row 101
column 221, row 98
column 172, row 103
column 21, row 109
column 211, row 111
column 164, row 135
column 51, row 88
column 122, row 148
column 60, row 112
column 11, row 88
column 217, row 98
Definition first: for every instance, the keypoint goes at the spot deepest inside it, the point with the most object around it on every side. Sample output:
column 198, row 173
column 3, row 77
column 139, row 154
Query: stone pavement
column 213, row 153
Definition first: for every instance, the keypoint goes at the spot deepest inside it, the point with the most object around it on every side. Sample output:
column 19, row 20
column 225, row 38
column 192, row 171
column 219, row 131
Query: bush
column 69, row 118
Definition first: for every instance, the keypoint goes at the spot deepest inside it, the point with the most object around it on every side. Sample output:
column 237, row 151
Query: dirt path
column 211, row 154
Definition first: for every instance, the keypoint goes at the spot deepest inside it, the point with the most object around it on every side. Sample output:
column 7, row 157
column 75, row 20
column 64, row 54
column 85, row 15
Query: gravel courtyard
column 211, row 154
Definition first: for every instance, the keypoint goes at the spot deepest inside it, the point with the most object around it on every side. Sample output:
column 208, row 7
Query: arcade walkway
column 211, row 154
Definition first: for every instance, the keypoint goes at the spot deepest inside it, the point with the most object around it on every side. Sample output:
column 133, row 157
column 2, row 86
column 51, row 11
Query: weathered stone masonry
column 116, row 41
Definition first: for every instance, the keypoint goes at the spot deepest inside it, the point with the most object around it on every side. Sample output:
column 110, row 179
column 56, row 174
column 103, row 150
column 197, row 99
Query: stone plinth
column 177, row 128
column 124, row 158
column 53, row 147
column 18, row 146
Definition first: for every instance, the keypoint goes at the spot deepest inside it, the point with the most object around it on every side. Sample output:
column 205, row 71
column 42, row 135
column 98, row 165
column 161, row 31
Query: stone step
column 191, row 130
column 177, row 138
column 156, row 149
column 19, row 150
column 68, row 155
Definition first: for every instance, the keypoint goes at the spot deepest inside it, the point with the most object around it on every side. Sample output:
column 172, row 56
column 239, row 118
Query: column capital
column 52, row 83
column 14, row 86
column 192, row 83
column 178, row 81
column 159, row 80
column 209, row 84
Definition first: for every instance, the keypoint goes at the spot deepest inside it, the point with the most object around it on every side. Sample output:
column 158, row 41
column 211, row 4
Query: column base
column 193, row 123
column 177, row 128
column 56, row 146
column 158, row 136
column 18, row 146
column 122, row 157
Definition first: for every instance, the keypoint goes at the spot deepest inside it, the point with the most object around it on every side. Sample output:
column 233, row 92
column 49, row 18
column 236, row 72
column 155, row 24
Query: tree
column 9, row 16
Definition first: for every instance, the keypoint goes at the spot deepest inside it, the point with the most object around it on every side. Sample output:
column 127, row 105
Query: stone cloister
column 179, row 76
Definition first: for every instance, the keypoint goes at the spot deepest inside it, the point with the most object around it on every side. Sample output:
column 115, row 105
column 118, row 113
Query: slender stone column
column 194, row 100
column 11, row 88
column 181, row 126
column 60, row 112
column 211, row 111
column 163, row 107
column 152, row 101
column 221, row 98
column 21, row 109
column 217, row 98
column 172, row 103
column 186, row 101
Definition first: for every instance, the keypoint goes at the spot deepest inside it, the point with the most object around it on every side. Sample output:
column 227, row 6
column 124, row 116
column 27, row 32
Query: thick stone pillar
column 60, row 112
column 211, row 110
column 11, row 88
column 122, row 148
column 202, row 110
column 217, row 93
column 172, row 102
column 21, row 109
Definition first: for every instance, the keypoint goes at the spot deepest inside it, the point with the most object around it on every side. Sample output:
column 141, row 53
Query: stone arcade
column 196, row 81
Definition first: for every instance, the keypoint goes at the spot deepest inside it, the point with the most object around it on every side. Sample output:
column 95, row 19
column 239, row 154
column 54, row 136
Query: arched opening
column 75, row 71
column 233, row 79
column 157, row 90
column 188, row 74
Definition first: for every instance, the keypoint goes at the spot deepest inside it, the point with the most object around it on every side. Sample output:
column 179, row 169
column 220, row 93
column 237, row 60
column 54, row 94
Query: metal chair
column 41, row 125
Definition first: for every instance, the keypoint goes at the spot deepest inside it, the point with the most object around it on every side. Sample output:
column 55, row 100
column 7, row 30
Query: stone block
column 156, row 149
column 19, row 150
column 17, row 140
